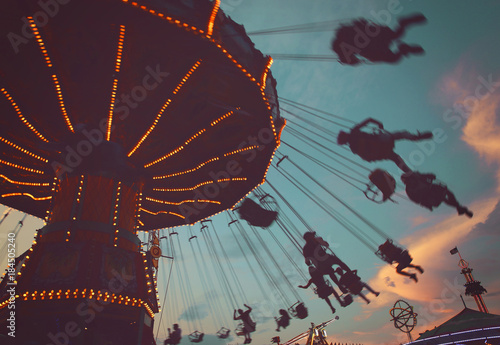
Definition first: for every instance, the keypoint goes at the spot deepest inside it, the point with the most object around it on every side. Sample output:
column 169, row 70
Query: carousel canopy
column 169, row 93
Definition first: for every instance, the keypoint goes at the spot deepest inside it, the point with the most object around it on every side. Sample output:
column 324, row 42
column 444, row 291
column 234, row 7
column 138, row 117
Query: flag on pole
column 454, row 251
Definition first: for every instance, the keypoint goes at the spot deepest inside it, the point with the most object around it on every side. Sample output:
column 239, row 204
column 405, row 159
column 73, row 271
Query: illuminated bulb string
column 210, row 26
column 46, row 56
column 155, row 122
column 21, row 167
column 160, row 212
column 27, row 194
column 178, row 149
column 21, row 116
column 182, row 202
column 19, row 148
column 199, row 185
column 199, row 166
column 119, row 53
column 22, row 183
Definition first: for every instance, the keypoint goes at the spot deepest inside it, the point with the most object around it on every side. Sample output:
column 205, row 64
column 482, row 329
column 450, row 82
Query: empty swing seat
column 196, row 337
column 256, row 215
column 223, row 333
column 384, row 182
column 298, row 310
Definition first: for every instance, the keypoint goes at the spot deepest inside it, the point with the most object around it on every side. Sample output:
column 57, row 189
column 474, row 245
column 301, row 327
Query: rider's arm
column 368, row 121
column 307, row 285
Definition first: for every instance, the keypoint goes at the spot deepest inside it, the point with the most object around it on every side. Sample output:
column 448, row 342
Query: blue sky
column 421, row 93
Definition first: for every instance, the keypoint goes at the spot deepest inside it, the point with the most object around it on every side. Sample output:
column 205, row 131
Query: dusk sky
column 452, row 90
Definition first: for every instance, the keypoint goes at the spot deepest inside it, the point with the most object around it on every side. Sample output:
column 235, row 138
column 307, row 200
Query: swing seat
column 390, row 253
column 352, row 282
column 385, row 184
column 240, row 329
column 347, row 300
column 298, row 310
column 223, row 333
column 256, row 215
column 196, row 337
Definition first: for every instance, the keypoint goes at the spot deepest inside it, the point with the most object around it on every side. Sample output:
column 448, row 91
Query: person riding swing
column 378, row 145
column 422, row 190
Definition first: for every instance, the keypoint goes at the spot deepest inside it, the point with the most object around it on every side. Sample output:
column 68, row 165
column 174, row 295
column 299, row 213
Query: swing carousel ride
column 143, row 134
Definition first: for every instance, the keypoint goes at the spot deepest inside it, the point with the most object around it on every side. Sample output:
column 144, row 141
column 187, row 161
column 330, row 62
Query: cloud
column 194, row 312
column 482, row 131
column 491, row 226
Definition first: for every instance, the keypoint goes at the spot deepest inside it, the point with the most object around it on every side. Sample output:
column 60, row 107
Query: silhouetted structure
column 422, row 190
column 469, row 327
column 472, row 287
column 379, row 144
column 391, row 253
column 373, row 42
column 98, row 168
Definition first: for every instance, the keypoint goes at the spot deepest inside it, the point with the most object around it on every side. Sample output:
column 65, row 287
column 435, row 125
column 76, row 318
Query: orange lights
column 119, row 53
column 176, row 150
column 27, row 194
column 111, row 109
column 21, row 116
column 21, row 183
column 253, row 147
column 186, row 77
column 186, row 171
column 155, row 122
column 90, row 294
column 160, row 212
column 19, row 148
column 264, row 74
column 116, row 211
column 61, row 102
column 199, row 185
column 21, row 167
column 211, row 21
column 213, row 123
column 182, row 202
column 40, row 41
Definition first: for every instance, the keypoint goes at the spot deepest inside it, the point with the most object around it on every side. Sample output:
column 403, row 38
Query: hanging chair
column 196, row 337
column 298, row 310
column 352, row 282
column 240, row 329
column 223, row 333
column 385, row 183
column 256, row 215
column 390, row 253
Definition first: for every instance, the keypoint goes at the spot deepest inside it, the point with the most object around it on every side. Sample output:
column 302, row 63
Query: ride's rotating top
column 154, row 114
